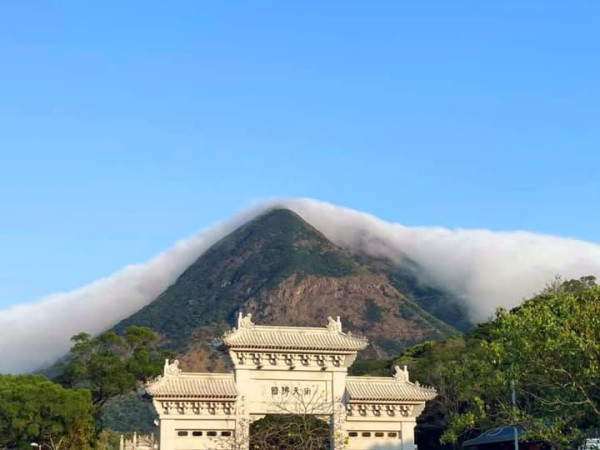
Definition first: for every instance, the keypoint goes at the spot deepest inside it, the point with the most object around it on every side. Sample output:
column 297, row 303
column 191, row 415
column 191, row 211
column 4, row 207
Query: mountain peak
column 286, row 272
column 253, row 258
column 286, row 224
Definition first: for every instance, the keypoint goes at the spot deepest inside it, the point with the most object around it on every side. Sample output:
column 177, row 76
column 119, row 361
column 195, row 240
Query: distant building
column 287, row 370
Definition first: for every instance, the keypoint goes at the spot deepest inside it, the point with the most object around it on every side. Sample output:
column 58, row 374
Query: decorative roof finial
column 245, row 321
column 334, row 325
column 400, row 374
column 171, row 369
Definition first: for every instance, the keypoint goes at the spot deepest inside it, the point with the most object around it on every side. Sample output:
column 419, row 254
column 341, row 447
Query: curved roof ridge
column 386, row 389
column 201, row 387
column 289, row 327
column 247, row 335
column 373, row 378
column 211, row 375
column 390, row 380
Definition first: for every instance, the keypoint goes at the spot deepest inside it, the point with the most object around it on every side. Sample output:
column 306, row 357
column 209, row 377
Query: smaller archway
column 290, row 431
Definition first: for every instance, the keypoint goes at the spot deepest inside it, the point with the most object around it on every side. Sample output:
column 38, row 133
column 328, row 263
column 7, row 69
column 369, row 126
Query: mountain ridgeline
column 284, row 271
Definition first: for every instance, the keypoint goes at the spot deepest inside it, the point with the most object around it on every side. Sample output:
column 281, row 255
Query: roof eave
column 300, row 349
column 194, row 398
column 386, row 401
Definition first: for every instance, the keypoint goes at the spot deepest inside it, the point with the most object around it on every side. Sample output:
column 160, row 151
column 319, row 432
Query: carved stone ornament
column 171, row 369
column 400, row 374
column 245, row 321
column 334, row 325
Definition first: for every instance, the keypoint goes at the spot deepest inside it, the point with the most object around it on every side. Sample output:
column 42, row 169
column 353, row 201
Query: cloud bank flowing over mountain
column 487, row 269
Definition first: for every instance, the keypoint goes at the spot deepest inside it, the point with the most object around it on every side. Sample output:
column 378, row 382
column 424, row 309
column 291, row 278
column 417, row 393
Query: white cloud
column 487, row 269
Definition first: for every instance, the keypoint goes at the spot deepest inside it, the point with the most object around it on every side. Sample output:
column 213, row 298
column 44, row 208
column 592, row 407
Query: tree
column 551, row 345
column 548, row 347
column 33, row 409
column 110, row 364
column 108, row 440
column 456, row 366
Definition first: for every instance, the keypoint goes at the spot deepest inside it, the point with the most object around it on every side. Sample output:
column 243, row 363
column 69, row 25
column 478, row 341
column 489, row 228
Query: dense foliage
column 111, row 365
column 35, row 410
column 549, row 348
column 126, row 413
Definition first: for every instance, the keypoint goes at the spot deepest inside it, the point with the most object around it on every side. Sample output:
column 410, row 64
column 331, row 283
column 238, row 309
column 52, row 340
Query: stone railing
column 138, row 443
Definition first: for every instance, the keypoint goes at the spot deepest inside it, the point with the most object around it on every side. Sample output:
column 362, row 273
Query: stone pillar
column 167, row 434
column 243, row 382
column 338, row 416
column 408, row 435
column 338, row 429
column 242, row 425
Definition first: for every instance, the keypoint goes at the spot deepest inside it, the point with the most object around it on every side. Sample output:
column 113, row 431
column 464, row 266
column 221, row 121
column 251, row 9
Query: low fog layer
column 487, row 269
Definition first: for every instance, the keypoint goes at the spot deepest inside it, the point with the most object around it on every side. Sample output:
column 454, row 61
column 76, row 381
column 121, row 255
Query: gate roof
column 248, row 336
column 207, row 386
column 386, row 390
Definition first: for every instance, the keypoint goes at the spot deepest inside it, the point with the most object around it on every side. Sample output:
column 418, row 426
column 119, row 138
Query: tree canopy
column 36, row 410
column 33, row 409
column 549, row 347
column 110, row 364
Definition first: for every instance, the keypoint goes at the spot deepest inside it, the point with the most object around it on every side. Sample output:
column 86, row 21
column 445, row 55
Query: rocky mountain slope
column 284, row 271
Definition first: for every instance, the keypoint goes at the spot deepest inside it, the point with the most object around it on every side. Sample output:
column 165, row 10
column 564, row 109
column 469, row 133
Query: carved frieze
column 197, row 408
column 287, row 359
column 378, row 410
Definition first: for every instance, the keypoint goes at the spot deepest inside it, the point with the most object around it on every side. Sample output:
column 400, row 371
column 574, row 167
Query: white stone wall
column 194, row 434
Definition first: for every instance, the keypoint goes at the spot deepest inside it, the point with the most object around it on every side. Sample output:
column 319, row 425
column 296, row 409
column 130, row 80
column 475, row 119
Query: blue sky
column 128, row 125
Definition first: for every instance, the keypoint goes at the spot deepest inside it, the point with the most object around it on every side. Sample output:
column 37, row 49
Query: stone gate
column 287, row 370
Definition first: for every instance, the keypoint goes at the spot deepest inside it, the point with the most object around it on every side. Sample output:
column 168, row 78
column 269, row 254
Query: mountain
column 284, row 271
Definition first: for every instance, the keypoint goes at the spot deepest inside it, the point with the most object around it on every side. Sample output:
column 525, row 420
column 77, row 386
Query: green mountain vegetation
column 255, row 257
column 408, row 279
column 128, row 412
column 285, row 271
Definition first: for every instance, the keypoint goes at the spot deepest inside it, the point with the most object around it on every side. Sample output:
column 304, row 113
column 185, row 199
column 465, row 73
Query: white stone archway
column 295, row 370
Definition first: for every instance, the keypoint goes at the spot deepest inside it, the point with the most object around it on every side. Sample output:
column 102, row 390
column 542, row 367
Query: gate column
column 338, row 409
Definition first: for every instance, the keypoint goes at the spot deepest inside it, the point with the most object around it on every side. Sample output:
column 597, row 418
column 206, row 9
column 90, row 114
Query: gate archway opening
column 290, row 432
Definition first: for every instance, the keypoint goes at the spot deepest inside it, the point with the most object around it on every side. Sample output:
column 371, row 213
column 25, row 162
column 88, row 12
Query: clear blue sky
column 128, row 125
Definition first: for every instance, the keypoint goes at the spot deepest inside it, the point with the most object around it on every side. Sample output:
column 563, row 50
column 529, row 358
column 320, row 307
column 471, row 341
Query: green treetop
column 35, row 410
column 110, row 364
